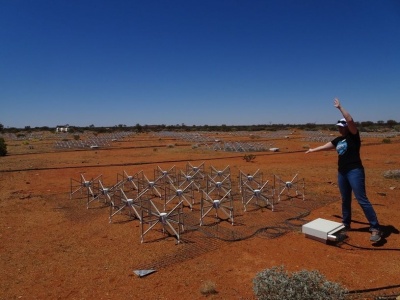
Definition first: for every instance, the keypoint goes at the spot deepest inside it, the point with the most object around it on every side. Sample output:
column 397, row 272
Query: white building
column 62, row 128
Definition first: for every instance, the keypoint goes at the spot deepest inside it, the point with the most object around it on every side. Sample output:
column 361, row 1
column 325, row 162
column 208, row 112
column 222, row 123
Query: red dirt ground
column 53, row 247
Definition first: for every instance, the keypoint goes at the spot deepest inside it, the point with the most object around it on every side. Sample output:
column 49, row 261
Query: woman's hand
column 336, row 103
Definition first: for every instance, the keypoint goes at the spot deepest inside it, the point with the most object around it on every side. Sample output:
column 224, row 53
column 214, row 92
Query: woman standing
column 351, row 174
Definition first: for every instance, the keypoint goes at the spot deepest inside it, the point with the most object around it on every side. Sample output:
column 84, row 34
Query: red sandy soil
column 53, row 247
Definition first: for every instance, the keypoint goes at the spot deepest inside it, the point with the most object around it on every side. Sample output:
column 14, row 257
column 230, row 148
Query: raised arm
column 349, row 119
column 327, row 146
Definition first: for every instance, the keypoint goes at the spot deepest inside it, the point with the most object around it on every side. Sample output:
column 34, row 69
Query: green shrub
column 386, row 141
column 249, row 157
column 276, row 283
column 3, row 147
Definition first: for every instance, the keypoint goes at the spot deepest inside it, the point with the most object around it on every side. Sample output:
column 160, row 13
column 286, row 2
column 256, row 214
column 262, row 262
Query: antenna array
column 161, row 203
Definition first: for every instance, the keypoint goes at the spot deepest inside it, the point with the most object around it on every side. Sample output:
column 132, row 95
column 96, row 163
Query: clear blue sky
column 197, row 62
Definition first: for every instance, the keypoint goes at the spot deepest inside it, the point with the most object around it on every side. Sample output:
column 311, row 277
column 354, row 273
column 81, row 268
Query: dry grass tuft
column 392, row 174
column 208, row 288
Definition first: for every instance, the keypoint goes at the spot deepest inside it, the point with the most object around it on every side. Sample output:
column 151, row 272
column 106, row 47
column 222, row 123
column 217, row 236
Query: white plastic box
column 322, row 230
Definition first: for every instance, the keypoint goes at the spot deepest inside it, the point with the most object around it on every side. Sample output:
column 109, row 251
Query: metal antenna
column 220, row 174
column 217, row 197
column 180, row 194
column 171, row 221
column 196, row 174
column 84, row 185
column 103, row 194
column 294, row 185
column 129, row 182
column 254, row 181
column 165, row 176
column 264, row 193
column 121, row 202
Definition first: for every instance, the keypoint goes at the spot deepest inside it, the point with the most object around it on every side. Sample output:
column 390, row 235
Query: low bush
column 392, row 174
column 249, row 157
column 277, row 284
column 208, row 288
column 3, row 147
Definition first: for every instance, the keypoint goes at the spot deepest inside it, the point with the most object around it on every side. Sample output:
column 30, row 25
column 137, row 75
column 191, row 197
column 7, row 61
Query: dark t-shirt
column 348, row 148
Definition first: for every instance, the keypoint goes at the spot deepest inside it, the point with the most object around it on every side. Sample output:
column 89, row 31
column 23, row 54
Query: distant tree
column 3, row 147
column 43, row 128
column 391, row 123
column 138, row 127
column 1, row 127
column 310, row 127
column 367, row 123
column 102, row 130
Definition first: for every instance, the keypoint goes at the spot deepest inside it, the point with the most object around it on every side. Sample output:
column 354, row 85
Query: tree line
column 363, row 126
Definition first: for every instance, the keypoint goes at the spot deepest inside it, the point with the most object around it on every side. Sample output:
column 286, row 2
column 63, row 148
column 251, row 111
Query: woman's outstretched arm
column 327, row 146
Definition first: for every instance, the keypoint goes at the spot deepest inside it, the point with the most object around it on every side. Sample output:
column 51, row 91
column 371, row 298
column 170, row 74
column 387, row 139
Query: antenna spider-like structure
column 171, row 221
column 262, row 193
column 89, row 186
column 293, row 188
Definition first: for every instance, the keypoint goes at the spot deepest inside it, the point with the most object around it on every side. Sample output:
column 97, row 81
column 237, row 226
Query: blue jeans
column 354, row 181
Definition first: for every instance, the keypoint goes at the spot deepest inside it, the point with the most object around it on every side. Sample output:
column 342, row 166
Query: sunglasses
column 342, row 122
